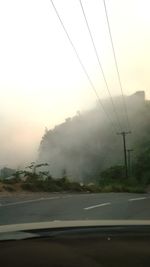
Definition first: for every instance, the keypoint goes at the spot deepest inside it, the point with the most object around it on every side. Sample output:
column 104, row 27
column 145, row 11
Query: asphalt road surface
column 50, row 207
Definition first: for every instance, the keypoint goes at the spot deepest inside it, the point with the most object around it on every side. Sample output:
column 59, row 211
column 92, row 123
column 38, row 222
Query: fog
column 42, row 82
column 86, row 144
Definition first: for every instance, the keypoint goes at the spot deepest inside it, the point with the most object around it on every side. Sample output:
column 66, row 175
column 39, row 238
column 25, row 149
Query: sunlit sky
column 41, row 81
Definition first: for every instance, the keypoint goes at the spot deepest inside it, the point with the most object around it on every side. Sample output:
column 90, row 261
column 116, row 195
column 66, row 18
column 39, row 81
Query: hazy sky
column 41, row 81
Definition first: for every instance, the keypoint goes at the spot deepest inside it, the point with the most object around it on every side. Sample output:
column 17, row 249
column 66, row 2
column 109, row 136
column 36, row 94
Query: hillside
column 86, row 144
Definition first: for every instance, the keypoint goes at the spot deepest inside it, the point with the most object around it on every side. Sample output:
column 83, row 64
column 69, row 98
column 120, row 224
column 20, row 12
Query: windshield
column 75, row 110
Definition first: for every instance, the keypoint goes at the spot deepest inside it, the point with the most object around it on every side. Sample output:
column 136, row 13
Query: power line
column 100, row 65
column 116, row 64
column 83, row 67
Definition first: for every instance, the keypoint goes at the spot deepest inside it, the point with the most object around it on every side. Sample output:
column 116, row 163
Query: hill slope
column 84, row 145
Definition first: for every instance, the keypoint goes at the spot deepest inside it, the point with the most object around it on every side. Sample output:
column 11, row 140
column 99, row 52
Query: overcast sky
column 41, row 81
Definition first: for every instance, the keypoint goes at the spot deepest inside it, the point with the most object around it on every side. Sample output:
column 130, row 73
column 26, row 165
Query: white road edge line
column 28, row 201
column 97, row 206
column 135, row 199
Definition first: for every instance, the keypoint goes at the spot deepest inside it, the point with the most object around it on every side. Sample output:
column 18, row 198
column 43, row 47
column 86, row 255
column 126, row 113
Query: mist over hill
column 86, row 144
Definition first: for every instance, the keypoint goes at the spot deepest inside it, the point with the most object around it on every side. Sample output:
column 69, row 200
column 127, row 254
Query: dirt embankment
column 10, row 188
column 17, row 191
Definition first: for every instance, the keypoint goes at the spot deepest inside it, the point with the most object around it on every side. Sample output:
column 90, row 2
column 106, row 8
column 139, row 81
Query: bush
column 137, row 189
column 63, row 183
column 29, row 187
column 123, row 188
column 74, row 186
column 51, row 185
column 58, row 185
column 114, row 172
column 11, row 181
column 9, row 188
column 93, row 188
column 40, row 186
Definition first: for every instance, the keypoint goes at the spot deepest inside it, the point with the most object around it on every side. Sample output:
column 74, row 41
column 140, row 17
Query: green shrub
column 111, row 175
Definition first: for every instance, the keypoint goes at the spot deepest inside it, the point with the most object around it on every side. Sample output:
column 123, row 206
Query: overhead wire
column 114, row 128
column 100, row 65
column 116, row 65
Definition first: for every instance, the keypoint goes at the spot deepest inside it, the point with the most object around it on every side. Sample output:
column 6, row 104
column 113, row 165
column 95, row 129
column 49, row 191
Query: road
column 50, row 207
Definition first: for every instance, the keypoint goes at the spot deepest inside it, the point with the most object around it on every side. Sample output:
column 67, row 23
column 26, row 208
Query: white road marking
column 28, row 201
column 97, row 206
column 135, row 199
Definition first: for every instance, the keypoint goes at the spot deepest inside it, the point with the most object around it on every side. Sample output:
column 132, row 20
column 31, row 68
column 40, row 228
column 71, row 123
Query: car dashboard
column 78, row 246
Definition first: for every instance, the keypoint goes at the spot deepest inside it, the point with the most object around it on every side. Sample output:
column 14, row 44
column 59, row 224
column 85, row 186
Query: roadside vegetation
column 110, row 180
column 33, row 184
column 113, row 180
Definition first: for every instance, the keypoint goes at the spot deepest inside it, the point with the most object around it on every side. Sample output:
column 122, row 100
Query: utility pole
column 125, row 151
column 129, row 160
